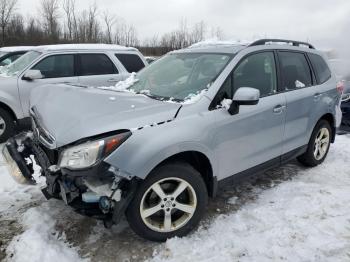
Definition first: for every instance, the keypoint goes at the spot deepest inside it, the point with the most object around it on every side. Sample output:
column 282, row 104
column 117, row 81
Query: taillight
column 340, row 87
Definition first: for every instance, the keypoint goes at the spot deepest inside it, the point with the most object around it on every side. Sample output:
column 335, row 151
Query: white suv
column 83, row 64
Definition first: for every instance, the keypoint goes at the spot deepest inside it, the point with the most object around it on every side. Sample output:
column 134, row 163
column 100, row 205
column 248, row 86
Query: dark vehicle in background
column 342, row 70
column 345, row 108
column 10, row 54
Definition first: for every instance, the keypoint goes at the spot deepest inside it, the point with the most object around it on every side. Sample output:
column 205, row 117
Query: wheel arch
column 198, row 161
column 9, row 110
column 331, row 120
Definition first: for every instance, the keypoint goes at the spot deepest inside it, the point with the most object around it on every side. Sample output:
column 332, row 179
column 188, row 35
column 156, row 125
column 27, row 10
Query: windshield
column 21, row 63
column 2, row 53
column 180, row 76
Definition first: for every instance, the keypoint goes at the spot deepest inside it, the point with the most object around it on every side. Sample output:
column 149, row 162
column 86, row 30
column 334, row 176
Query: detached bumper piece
column 19, row 168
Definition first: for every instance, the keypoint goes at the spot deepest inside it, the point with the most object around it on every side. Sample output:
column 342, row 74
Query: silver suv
column 157, row 145
column 92, row 64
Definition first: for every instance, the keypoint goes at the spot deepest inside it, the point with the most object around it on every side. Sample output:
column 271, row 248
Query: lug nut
column 172, row 199
column 174, row 205
column 168, row 209
column 162, row 206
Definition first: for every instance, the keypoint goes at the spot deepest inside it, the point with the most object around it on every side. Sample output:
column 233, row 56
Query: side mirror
column 244, row 96
column 32, row 75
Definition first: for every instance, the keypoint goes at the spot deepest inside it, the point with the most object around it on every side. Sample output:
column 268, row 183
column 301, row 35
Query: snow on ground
column 39, row 241
column 305, row 219
column 303, row 216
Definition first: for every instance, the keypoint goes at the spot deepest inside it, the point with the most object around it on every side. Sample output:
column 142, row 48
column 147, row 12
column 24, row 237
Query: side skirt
column 259, row 169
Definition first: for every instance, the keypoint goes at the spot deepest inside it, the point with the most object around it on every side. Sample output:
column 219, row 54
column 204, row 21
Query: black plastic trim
column 293, row 42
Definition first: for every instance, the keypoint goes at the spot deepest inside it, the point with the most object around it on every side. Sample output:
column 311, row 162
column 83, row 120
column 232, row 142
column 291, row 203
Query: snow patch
column 299, row 84
column 40, row 241
column 304, row 219
column 216, row 42
column 226, row 103
column 122, row 86
column 193, row 98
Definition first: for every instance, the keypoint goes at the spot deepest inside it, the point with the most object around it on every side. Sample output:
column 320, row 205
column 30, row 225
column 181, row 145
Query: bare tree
column 50, row 13
column 71, row 21
column 7, row 8
column 198, row 32
column 109, row 20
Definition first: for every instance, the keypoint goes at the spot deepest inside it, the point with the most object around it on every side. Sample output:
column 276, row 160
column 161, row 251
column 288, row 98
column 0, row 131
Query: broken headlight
column 89, row 153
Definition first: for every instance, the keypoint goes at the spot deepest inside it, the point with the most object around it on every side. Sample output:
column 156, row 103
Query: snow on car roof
column 16, row 48
column 84, row 47
column 217, row 46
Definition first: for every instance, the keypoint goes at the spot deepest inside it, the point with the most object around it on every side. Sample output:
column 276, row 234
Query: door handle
column 317, row 95
column 113, row 80
column 278, row 109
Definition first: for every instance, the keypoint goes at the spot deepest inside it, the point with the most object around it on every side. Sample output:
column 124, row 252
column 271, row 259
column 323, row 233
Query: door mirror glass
column 32, row 75
column 244, row 96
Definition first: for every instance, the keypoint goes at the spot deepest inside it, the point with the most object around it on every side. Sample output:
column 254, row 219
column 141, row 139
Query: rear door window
column 322, row 71
column 96, row 64
column 295, row 69
column 131, row 62
column 56, row 66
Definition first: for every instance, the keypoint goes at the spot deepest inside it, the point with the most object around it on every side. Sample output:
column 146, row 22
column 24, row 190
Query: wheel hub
column 171, row 211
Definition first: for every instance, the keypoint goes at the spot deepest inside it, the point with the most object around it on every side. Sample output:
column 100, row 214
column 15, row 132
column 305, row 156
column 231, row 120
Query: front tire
column 170, row 202
column 318, row 146
column 7, row 125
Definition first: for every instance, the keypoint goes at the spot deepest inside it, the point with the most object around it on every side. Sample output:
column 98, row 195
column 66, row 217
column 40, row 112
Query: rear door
column 97, row 69
column 57, row 68
column 302, row 96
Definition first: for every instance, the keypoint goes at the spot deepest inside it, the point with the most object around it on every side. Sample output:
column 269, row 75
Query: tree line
column 59, row 21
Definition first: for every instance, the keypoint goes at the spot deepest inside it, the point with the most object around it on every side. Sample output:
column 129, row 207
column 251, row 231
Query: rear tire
column 7, row 125
column 174, row 190
column 318, row 146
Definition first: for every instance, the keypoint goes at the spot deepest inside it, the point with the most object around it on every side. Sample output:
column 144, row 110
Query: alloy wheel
column 168, row 205
column 2, row 125
column 321, row 143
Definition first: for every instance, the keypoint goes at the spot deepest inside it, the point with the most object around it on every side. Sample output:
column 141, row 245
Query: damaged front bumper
column 100, row 191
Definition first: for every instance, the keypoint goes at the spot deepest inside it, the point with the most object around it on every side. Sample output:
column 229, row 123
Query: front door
column 55, row 69
column 254, row 135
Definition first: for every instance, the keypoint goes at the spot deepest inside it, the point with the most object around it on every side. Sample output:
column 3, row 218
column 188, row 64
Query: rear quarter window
column 322, row 71
column 131, row 62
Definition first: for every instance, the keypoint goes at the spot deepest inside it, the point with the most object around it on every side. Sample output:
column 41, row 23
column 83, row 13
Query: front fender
column 12, row 102
column 147, row 148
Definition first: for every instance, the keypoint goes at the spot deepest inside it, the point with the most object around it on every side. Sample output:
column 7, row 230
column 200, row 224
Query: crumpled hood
column 70, row 113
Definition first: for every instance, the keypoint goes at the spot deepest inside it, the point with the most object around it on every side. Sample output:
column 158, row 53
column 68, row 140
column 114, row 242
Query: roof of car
column 213, row 46
column 77, row 47
column 16, row 48
column 233, row 47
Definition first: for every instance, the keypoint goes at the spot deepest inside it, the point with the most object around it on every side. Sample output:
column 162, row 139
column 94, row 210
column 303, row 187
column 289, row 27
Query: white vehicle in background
column 80, row 64
column 10, row 54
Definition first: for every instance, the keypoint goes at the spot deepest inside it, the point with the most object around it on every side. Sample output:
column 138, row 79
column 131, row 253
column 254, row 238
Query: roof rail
column 294, row 43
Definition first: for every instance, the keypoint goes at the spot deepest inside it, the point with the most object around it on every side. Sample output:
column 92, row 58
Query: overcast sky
column 319, row 21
